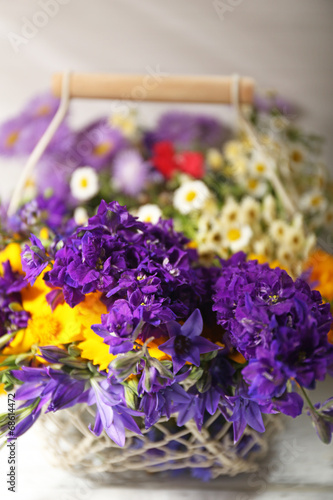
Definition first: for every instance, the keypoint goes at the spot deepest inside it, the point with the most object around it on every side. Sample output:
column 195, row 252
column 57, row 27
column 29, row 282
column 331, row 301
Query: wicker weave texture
column 162, row 448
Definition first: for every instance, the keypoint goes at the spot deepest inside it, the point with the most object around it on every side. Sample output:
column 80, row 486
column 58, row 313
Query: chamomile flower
column 238, row 237
column 214, row 159
column 294, row 238
column 233, row 150
column 250, row 210
column 84, row 183
column 191, row 196
column 255, row 187
column 278, row 230
column 260, row 166
column 263, row 246
column 297, row 155
column 231, row 213
column 126, row 122
column 269, row 208
column 285, row 255
column 313, row 201
column 149, row 213
column 81, row 216
column 328, row 216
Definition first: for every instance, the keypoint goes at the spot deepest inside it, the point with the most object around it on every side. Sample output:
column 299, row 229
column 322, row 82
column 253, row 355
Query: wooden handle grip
column 156, row 87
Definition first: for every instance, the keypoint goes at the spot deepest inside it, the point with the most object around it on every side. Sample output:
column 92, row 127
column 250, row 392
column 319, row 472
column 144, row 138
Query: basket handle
column 158, row 87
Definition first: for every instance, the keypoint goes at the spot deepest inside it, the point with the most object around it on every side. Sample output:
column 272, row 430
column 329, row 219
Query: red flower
column 191, row 163
column 168, row 162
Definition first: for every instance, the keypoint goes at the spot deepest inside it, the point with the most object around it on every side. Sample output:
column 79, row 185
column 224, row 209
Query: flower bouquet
column 164, row 335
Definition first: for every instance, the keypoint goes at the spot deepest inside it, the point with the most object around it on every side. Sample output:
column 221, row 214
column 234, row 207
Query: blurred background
column 284, row 45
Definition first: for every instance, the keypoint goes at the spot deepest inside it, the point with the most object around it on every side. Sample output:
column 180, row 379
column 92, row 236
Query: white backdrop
column 282, row 44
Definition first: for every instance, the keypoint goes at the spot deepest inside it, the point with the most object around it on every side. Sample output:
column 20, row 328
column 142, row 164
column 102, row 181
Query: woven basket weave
column 164, row 447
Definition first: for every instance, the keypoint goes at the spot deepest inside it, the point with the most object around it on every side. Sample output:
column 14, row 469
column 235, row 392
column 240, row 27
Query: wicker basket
column 164, row 447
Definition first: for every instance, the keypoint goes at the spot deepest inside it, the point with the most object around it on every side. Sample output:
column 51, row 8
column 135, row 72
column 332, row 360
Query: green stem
column 308, row 399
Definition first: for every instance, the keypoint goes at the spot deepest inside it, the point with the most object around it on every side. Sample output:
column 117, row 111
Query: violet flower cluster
column 12, row 316
column 145, row 273
column 156, row 292
column 280, row 326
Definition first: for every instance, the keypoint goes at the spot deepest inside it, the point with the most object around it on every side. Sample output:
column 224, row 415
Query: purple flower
column 118, row 327
column 112, row 415
column 271, row 103
column 97, row 144
column 241, row 411
column 163, row 403
column 129, row 172
column 19, row 136
column 185, row 342
column 322, row 420
column 44, row 386
column 12, row 316
column 187, row 130
column 34, row 259
column 279, row 325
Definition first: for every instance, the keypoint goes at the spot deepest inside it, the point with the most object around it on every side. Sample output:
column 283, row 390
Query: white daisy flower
column 149, row 213
column 231, row 213
column 298, row 221
column 238, row 238
column 260, row 166
column 250, row 210
column 294, row 238
column 214, row 159
column 328, row 216
column 263, row 246
column 206, row 224
column 84, row 183
column 81, row 216
column 255, row 187
column 313, row 201
column 297, row 155
column 310, row 245
column 285, row 256
column 278, row 230
column 190, row 196
column 269, row 208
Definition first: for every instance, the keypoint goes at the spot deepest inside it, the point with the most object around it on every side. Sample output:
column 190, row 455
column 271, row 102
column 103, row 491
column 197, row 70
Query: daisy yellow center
column 253, row 183
column 296, row 156
column 148, row 218
column 84, row 182
column 43, row 110
column 12, row 139
column 45, row 329
column 190, row 195
column 316, row 200
column 260, row 167
column 234, row 234
column 102, row 149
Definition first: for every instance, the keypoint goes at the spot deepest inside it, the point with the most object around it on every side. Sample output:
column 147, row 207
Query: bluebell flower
column 186, row 343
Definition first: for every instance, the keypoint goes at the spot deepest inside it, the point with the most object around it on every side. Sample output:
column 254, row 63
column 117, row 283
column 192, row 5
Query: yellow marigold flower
column 321, row 264
column 62, row 326
column 12, row 252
